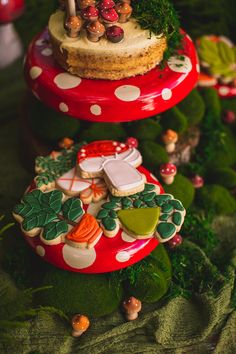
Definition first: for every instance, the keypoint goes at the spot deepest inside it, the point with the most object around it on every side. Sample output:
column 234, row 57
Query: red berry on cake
column 73, row 26
column 109, row 16
column 106, row 4
column 82, row 4
column 124, row 10
column 90, row 13
column 95, row 30
column 115, row 34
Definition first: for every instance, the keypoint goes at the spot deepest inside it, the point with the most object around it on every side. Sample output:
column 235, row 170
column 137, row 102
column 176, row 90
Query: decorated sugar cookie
column 115, row 162
column 83, row 224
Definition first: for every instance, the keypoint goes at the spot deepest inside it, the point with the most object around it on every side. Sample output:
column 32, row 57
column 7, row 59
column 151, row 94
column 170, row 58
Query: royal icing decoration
column 143, row 215
column 71, row 184
column 114, row 161
column 96, row 191
column 49, row 214
column 86, row 234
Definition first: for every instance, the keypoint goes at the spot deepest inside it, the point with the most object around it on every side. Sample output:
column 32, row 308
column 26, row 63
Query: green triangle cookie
column 140, row 222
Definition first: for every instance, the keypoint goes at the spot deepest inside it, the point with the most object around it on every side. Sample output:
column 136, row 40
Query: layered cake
column 106, row 39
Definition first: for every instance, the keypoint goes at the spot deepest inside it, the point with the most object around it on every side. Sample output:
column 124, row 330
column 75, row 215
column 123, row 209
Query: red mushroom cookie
column 93, row 230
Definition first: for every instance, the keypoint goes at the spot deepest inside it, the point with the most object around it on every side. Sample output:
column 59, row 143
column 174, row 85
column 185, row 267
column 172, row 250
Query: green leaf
column 226, row 53
column 33, row 199
column 23, row 210
column 72, row 209
column 53, row 200
column 38, row 220
column 54, row 229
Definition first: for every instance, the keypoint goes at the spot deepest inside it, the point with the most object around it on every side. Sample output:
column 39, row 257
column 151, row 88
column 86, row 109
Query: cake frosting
column 137, row 53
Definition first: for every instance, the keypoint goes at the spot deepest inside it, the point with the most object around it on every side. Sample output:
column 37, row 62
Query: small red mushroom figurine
column 132, row 307
column 175, row 241
column 11, row 47
column 168, row 172
column 229, row 117
column 197, row 181
column 132, row 142
column 80, row 324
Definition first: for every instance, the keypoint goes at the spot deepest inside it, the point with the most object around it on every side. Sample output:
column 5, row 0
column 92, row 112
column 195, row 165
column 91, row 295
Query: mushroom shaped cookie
column 80, row 224
column 168, row 172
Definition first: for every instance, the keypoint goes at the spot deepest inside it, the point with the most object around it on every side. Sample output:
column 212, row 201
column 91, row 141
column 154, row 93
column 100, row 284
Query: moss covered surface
column 182, row 189
column 147, row 129
column 103, row 131
column 212, row 103
column 153, row 154
column 174, row 119
column 216, row 197
column 153, row 280
column 193, row 107
column 223, row 176
column 90, row 294
column 50, row 125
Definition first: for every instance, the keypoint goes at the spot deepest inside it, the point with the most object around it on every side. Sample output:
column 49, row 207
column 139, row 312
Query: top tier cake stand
column 110, row 101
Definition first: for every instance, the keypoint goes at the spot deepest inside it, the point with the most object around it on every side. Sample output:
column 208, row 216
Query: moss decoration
column 89, row 294
column 212, row 102
column 153, row 154
column 50, row 125
column 103, row 131
column 152, row 282
column 193, row 107
column 147, row 129
column 182, row 189
column 174, row 119
column 216, row 197
column 224, row 176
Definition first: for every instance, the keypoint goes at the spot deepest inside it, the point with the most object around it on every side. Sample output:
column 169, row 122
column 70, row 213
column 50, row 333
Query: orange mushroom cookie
column 86, row 234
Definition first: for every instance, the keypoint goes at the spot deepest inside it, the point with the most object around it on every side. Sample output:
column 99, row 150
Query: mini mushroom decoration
column 90, row 13
column 229, row 117
column 124, row 11
column 115, row 34
column 197, row 181
column 73, row 26
column 170, row 139
column 109, row 16
column 11, row 47
column 175, row 241
column 95, row 30
column 66, row 143
column 82, row 4
column 80, row 324
column 168, row 172
column 132, row 142
column 132, row 307
column 106, row 4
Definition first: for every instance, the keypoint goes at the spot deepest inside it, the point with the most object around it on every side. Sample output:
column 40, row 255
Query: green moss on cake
column 217, row 197
column 193, row 107
column 174, row 119
column 50, row 125
column 153, row 154
column 181, row 189
column 103, row 131
column 224, row 176
column 146, row 130
column 89, row 294
column 153, row 281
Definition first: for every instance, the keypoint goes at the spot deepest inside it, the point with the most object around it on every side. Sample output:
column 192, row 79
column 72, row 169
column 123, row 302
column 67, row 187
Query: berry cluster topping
column 100, row 19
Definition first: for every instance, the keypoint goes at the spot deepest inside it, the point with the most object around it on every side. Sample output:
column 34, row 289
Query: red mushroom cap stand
column 108, row 255
column 109, row 101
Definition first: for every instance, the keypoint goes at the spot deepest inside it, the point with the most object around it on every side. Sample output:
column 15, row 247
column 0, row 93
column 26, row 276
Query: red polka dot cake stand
column 79, row 223
column 110, row 101
column 108, row 255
